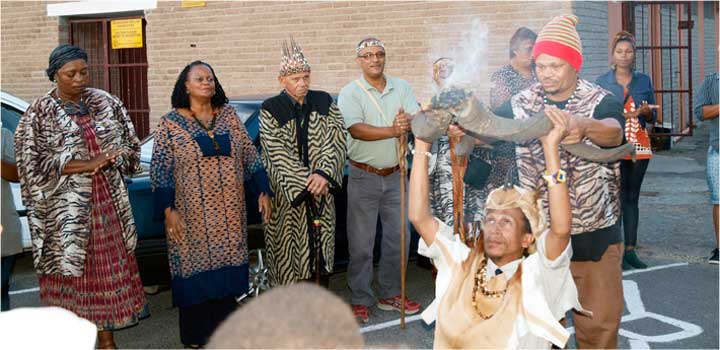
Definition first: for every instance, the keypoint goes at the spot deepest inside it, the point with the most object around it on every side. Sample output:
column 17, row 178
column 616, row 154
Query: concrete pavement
column 673, row 304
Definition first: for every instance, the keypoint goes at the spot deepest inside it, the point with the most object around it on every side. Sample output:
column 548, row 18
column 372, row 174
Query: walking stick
column 402, row 160
column 459, row 165
column 316, row 211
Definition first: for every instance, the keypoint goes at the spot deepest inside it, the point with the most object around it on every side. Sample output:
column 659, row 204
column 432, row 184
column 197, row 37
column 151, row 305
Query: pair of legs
column 370, row 195
column 106, row 340
column 199, row 321
column 8, row 263
column 713, row 181
column 631, row 178
column 599, row 285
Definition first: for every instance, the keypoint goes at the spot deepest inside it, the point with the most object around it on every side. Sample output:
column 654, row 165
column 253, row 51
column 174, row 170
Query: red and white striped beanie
column 560, row 39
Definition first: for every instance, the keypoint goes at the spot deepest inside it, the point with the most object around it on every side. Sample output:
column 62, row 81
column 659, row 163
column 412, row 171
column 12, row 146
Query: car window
column 146, row 149
column 10, row 117
column 243, row 111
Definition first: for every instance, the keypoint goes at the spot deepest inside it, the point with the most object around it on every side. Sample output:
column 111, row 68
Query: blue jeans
column 712, row 173
column 8, row 263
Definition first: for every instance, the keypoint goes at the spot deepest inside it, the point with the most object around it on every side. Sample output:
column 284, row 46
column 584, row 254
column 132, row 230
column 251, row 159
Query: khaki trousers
column 599, row 286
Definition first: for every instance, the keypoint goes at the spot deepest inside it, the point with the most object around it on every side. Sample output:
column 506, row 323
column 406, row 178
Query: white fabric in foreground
column 45, row 328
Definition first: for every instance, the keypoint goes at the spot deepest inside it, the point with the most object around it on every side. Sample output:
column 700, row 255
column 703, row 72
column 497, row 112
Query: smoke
column 467, row 48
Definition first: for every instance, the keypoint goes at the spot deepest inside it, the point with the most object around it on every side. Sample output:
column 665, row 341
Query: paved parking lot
column 672, row 304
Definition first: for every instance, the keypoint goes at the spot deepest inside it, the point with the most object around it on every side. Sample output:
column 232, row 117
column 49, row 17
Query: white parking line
column 389, row 324
column 396, row 322
column 649, row 269
column 23, row 291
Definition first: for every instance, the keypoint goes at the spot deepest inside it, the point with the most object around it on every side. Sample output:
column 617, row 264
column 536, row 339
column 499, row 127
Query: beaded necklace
column 72, row 108
column 481, row 286
column 208, row 129
column 568, row 101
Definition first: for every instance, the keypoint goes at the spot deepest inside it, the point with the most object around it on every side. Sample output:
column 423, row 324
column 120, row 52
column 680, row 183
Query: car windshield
column 244, row 109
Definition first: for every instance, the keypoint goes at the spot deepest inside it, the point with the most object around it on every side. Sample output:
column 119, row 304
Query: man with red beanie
column 595, row 118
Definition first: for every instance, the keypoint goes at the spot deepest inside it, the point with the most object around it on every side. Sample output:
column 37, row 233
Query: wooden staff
column 459, row 165
column 402, row 162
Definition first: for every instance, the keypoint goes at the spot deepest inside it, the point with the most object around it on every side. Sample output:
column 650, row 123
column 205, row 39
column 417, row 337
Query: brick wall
column 592, row 27
column 28, row 36
column 241, row 40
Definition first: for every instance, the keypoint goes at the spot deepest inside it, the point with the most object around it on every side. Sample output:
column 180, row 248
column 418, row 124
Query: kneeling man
column 511, row 289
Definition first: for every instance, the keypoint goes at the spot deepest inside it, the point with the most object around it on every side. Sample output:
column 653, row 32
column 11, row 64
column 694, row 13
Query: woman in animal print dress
column 73, row 146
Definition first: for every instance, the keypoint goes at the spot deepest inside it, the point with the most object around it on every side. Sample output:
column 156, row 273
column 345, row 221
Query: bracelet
column 554, row 179
column 425, row 153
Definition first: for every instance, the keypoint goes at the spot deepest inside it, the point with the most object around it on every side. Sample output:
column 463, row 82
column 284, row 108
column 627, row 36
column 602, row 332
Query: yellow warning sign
column 187, row 4
column 126, row 33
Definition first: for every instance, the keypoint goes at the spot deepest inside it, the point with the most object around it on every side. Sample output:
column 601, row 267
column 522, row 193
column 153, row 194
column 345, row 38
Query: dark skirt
column 199, row 321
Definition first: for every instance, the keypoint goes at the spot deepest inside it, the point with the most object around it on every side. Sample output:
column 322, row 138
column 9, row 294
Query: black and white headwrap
column 368, row 42
column 61, row 55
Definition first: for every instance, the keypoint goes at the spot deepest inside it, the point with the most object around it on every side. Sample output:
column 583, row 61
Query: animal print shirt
column 46, row 140
column 594, row 188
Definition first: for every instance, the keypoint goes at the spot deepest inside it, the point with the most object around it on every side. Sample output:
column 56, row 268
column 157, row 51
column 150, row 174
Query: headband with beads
column 368, row 43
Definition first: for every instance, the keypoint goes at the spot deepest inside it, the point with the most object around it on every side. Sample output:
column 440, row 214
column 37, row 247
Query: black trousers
column 198, row 322
column 8, row 264
column 631, row 177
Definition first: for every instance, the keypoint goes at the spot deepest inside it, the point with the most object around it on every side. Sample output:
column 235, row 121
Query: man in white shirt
column 501, row 293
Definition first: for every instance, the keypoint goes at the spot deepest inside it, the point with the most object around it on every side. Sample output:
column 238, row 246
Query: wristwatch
column 553, row 179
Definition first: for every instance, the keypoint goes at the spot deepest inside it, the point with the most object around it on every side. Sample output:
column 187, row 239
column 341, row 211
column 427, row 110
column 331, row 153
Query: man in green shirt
column 376, row 108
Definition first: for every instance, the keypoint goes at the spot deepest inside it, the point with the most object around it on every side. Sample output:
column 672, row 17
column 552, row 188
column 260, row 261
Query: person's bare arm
column 602, row 132
column 9, row 172
column 367, row 132
column 558, row 198
column 90, row 166
column 710, row 111
column 419, row 195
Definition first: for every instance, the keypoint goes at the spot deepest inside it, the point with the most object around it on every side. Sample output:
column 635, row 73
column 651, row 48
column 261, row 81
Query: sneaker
column 394, row 304
column 633, row 259
column 714, row 258
column 361, row 313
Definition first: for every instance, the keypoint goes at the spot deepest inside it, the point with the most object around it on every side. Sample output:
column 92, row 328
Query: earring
column 187, row 92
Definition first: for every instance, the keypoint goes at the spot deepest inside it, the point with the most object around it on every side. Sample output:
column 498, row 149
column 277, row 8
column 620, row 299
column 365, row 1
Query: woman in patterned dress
column 201, row 157
column 518, row 75
column 73, row 146
column 635, row 91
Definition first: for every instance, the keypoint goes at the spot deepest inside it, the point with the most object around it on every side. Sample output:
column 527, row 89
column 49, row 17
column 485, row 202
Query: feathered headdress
column 293, row 59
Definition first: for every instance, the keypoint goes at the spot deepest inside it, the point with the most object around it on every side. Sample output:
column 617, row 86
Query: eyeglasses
column 199, row 80
column 368, row 56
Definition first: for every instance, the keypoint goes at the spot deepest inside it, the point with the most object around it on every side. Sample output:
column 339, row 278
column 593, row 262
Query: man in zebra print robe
column 303, row 149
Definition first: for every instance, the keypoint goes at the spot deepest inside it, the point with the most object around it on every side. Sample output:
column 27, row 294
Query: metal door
column 121, row 72
column 664, row 52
